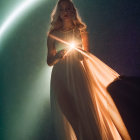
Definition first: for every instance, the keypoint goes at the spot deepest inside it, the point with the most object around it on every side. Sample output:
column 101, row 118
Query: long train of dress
column 84, row 83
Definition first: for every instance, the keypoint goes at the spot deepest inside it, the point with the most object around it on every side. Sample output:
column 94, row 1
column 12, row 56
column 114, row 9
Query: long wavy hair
column 56, row 22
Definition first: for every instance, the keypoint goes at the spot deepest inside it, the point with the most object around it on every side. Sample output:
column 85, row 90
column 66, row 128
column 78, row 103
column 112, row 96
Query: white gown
column 82, row 86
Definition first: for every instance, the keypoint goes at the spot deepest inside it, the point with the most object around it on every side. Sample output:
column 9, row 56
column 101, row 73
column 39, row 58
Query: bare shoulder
column 53, row 32
column 49, row 34
column 83, row 31
column 50, row 40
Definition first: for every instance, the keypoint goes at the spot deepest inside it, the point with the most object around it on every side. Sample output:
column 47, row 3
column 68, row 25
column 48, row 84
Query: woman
column 81, row 106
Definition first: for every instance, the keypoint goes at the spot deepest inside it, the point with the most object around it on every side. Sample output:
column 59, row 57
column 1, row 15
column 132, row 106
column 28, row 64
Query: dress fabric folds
column 79, row 96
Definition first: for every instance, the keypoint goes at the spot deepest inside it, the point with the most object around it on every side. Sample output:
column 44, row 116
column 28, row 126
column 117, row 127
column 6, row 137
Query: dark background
column 114, row 31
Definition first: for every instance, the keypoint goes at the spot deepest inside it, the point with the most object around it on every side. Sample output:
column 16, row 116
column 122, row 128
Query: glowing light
column 60, row 40
column 72, row 45
column 15, row 14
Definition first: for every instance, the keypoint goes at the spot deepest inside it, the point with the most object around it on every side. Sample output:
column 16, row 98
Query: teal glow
column 16, row 13
column 25, row 122
column 25, row 74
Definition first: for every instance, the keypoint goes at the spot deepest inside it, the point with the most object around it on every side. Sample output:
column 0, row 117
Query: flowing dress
column 79, row 96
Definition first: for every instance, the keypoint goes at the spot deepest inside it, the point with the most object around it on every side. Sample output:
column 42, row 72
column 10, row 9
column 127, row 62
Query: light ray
column 60, row 40
column 26, row 4
column 70, row 45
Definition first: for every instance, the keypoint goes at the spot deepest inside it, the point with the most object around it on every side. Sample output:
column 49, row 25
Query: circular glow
column 15, row 14
column 72, row 45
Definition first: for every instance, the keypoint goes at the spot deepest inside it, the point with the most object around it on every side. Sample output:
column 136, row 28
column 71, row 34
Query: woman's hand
column 60, row 55
column 57, row 57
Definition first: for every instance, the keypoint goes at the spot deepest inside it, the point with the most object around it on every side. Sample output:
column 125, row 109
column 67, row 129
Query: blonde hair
column 56, row 22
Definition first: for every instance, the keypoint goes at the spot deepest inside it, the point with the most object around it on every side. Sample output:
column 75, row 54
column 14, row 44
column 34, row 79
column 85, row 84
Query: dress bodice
column 68, row 36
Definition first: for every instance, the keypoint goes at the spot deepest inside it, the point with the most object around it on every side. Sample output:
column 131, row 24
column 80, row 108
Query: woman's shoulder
column 83, row 30
column 52, row 32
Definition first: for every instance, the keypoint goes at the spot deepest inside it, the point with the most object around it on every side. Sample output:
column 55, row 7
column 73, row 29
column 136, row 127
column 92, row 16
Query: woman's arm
column 51, row 51
column 53, row 57
column 85, row 40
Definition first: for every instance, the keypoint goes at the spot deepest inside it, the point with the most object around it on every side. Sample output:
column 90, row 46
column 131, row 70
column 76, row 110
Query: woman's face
column 66, row 11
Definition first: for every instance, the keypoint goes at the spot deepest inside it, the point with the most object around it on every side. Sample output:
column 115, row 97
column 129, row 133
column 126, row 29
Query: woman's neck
column 67, row 25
